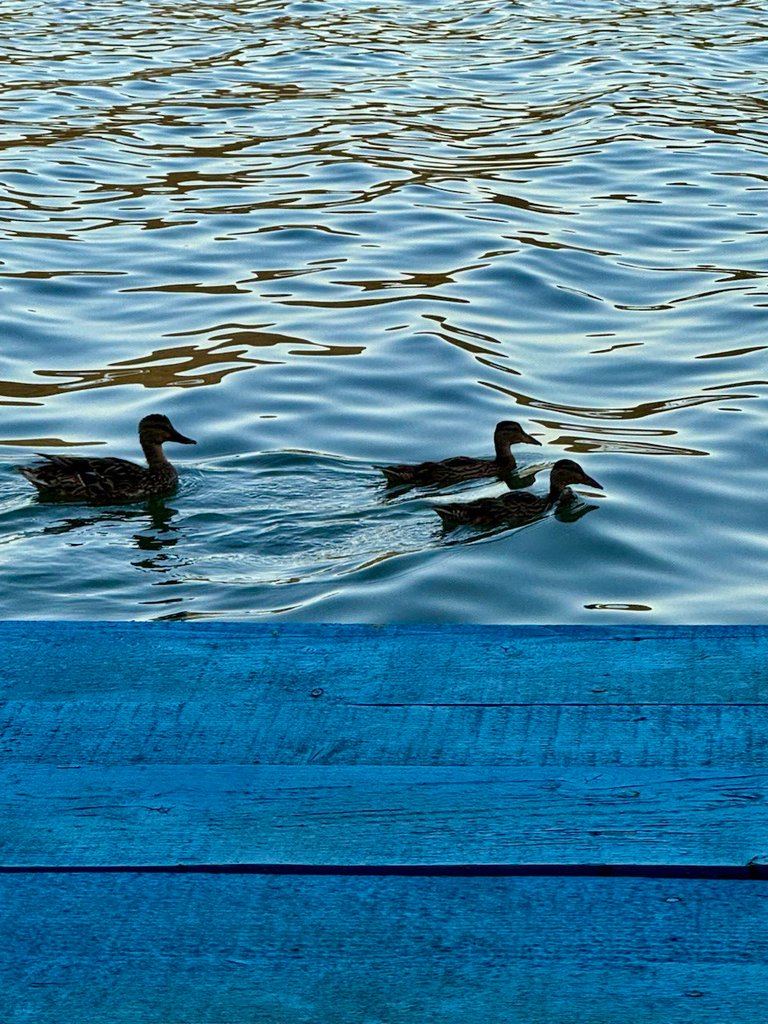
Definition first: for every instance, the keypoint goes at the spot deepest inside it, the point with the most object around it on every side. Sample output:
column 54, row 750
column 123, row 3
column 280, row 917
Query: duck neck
column 556, row 493
column 504, row 455
column 154, row 454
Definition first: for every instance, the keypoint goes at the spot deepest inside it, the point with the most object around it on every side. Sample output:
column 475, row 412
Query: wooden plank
column 139, row 744
column 358, row 815
column 130, row 949
column 393, row 664
column 238, row 728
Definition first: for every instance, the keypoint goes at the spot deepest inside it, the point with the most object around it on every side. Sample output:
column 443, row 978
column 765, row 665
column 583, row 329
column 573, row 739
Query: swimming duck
column 106, row 481
column 463, row 467
column 521, row 506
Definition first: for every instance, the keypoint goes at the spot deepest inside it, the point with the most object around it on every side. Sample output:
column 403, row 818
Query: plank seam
column 745, row 872
column 554, row 704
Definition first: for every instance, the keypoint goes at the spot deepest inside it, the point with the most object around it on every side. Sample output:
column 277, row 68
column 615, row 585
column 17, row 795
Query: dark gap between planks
column 735, row 872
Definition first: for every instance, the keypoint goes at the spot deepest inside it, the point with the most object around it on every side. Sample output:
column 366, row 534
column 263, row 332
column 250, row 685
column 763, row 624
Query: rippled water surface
column 329, row 235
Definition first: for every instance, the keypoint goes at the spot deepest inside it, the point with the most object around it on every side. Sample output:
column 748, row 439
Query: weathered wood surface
column 244, row 726
column 352, row 815
column 233, row 747
column 392, row 664
column 140, row 949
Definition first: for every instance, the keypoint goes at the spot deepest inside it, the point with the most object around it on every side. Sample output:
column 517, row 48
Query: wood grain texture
column 393, row 664
column 354, row 747
column 321, row 814
column 138, row 949
column 238, row 728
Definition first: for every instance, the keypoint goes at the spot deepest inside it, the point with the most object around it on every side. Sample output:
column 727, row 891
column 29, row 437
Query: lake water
column 323, row 236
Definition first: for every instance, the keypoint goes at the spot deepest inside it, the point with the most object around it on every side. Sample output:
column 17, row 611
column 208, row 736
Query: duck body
column 517, row 506
column 105, row 481
column 445, row 472
column 463, row 467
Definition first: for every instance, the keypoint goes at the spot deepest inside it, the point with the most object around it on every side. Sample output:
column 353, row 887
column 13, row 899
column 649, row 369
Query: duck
column 521, row 506
column 105, row 481
column 463, row 467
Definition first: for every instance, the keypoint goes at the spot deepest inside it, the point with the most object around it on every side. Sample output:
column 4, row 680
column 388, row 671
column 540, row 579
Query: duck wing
column 447, row 471
column 80, row 477
column 515, row 506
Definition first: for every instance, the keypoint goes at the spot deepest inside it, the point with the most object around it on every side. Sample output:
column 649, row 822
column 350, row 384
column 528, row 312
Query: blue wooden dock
column 212, row 823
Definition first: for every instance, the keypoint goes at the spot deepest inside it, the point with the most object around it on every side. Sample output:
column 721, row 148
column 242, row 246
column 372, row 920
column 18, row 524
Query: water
column 323, row 236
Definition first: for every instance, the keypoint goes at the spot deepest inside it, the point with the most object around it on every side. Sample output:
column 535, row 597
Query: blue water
column 322, row 236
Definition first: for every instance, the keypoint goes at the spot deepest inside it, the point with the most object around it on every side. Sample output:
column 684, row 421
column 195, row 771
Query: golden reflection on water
column 576, row 443
column 251, row 337
column 182, row 366
column 631, row 412
column 617, row 439
column 46, row 442
column 617, row 606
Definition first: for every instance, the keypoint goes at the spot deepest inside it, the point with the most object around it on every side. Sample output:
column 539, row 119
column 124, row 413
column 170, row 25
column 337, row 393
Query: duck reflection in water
column 463, row 467
column 156, row 516
column 165, row 535
column 518, row 507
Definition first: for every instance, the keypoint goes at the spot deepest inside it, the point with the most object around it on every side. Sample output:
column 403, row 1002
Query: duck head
column 157, row 429
column 510, row 432
column 566, row 472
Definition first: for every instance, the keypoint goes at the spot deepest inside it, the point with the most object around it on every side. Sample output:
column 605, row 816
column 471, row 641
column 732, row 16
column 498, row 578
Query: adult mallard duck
column 463, row 467
column 103, row 481
column 520, row 506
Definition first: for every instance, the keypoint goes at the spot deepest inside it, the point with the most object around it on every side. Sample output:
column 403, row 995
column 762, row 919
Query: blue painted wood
column 363, row 815
column 239, row 727
column 348, row 747
column 394, row 664
column 133, row 949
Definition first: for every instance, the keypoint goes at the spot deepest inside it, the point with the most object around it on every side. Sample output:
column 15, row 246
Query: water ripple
column 539, row 210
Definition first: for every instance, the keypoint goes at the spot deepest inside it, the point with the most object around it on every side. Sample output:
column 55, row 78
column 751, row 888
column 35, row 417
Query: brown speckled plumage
column 463, row 467
column 519, row 506
column 104, row 481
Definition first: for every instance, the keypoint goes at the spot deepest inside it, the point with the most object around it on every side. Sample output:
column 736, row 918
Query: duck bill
column 527, row 439
column 591, row 481
column 180, row 439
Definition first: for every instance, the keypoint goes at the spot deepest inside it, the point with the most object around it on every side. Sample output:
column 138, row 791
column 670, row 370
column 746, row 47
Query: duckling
column 463, row 467
column 520, row 506
column 104, row 481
